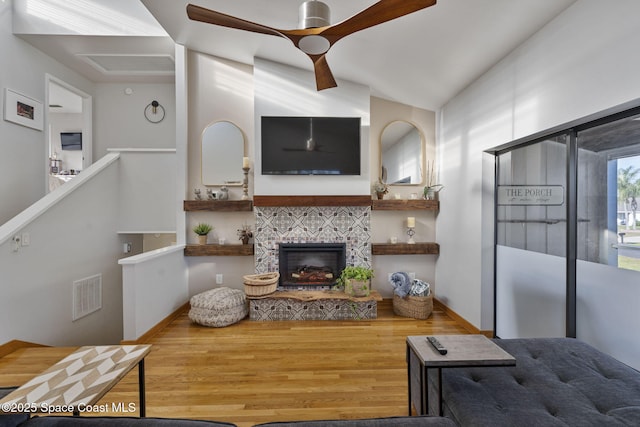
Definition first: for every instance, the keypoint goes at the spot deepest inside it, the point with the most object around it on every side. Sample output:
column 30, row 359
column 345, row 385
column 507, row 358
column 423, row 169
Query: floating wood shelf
column 218, row 250
column 405, row 205
column 278, row 201
column 218, row 205
column 424, row 248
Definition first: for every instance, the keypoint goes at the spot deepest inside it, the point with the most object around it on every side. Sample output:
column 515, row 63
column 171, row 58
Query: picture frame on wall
column 22, row 110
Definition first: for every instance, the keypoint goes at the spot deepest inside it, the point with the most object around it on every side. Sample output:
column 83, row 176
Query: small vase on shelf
column 245, row 233
column 380, row 188
column 202, row 230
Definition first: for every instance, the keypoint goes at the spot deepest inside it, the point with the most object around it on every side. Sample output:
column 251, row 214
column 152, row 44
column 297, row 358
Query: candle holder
column 411, row 233
column 245, row 184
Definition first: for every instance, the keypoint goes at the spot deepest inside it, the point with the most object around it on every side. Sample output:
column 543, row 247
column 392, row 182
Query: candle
column 411, row 222
column 245, row 162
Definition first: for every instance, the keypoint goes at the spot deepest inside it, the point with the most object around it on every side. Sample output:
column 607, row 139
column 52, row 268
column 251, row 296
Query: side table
column 80, row 380
column 463, row 351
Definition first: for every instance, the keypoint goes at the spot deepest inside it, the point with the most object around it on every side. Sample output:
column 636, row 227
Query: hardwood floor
column 254, row 372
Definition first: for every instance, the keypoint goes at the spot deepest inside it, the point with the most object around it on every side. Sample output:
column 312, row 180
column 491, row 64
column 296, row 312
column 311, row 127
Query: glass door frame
column 572, row 130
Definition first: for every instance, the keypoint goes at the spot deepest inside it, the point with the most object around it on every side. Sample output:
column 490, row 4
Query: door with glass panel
column 531, row 240
column 608, row 240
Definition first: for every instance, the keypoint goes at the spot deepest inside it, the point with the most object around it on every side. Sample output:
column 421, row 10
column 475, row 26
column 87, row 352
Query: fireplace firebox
column 310, row 266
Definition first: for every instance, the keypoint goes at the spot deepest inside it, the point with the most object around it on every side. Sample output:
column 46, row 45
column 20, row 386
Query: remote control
column 436, row 344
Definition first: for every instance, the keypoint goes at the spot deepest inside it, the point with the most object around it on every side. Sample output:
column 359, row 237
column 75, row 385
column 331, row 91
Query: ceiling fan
column 317, row 35
column 310, row 144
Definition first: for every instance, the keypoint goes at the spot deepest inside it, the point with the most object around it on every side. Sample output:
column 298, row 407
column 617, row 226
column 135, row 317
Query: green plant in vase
column 355, row 280
column 202, row 230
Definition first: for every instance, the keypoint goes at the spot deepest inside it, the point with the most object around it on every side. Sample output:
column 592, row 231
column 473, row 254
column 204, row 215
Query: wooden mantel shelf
column 282, row 201
column 405, row 205
column 279, row 201
column 218, row 205
column 218, row 250
column 418, row 248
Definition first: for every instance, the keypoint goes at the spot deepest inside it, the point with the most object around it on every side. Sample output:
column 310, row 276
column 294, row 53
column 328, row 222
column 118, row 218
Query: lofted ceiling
column 422, row 59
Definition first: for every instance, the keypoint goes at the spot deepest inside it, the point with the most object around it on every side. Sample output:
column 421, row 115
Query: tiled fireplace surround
column 323, row 224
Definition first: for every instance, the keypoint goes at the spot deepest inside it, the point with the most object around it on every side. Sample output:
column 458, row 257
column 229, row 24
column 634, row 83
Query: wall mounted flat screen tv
column 71, row 140
column 310, row 145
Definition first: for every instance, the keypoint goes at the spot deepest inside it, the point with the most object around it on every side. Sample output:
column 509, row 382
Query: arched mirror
column 222, row 152
column 401, row 154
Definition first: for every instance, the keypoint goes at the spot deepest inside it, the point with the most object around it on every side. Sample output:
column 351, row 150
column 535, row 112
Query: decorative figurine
column 210, row 194
column 223, row 194
column 245, row 180
column 197, row 193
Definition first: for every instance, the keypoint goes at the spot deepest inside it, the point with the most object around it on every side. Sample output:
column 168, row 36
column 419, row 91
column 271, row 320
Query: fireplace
column 310, row 266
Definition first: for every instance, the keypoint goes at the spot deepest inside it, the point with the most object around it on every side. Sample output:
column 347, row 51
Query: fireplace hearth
column 310, row 266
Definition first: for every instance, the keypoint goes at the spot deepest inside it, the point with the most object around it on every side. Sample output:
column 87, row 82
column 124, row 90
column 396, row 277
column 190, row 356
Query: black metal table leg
column 409, row 377
column 440, row 391
column 424, row 384
column 143, row 407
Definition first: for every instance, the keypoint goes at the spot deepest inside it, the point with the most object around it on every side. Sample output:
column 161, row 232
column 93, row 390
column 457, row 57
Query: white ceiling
column 422, row 59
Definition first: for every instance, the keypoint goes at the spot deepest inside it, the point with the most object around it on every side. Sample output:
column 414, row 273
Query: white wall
column 147, row 189
column 218, row 89
column 74, row 239
column 566, row 71
column 24, row 150
column 154, row 286
column 120, row 121
column 385, row 224
column 281, row 90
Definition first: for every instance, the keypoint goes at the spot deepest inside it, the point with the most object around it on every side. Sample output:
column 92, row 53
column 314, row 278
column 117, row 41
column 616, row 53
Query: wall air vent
column 87, row 296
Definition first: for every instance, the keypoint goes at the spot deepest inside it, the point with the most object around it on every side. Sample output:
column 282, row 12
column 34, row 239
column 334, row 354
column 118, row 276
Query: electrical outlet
column 126, row 248
column 219, row 279
column 26, row 239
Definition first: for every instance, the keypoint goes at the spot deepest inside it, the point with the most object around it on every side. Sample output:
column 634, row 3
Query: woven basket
column 416, row 307
column 257, row 285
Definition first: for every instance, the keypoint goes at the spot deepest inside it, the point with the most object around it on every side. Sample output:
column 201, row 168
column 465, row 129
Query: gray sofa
column 556, row 382
column 53, row 421
column 25, row 420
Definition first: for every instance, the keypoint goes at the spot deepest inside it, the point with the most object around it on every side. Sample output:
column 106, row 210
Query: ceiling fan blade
column 378, row 13
column 198, row 13
column 324, row 76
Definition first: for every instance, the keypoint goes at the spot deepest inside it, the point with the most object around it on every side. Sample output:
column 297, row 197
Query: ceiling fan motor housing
column 314, row 14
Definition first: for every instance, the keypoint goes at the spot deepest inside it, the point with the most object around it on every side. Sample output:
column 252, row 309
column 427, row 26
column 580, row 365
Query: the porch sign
column 531, row 195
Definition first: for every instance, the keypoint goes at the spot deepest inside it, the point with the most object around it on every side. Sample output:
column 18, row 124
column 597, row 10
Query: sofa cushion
column 370, row 422
column 55, row 421
column 10, row 419
column 556, row 382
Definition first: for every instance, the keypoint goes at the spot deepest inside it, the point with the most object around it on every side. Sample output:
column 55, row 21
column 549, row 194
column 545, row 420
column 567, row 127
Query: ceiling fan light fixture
column 314, row 14
column 314, row 45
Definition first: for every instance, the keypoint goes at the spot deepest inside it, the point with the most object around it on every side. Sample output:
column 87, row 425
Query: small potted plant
column 202, row 229
column 356, row 281
column 432, row 189
column 245, row 233
column 380, row 188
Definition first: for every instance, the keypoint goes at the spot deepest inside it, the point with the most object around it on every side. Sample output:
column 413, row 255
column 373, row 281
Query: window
column 608, row 193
